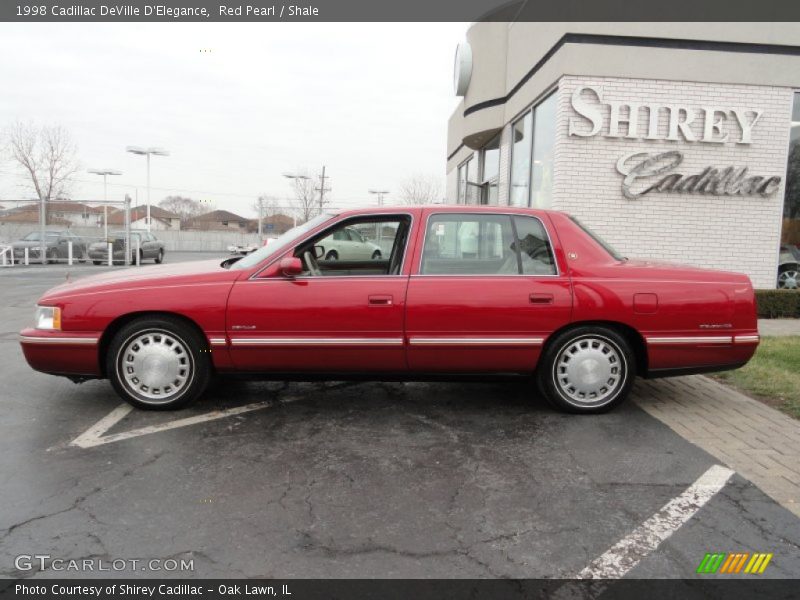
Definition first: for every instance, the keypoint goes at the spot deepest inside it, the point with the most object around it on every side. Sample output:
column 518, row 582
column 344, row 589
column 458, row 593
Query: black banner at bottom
column 397, row 589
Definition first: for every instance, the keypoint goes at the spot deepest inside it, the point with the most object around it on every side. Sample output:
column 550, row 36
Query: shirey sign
column 645, row 172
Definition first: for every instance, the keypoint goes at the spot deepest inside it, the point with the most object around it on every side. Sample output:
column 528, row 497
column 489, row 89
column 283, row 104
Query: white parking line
column 94, row 436
column 626, row 554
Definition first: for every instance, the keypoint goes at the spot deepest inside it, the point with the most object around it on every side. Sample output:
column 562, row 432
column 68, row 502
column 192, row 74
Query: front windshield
column 280, row 243
column 605, row 245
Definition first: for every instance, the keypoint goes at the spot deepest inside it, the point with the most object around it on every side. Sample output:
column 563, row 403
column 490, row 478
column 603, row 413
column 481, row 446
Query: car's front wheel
column 376, row 255
column 158, row 363
column 160, row 257
column 587, row 370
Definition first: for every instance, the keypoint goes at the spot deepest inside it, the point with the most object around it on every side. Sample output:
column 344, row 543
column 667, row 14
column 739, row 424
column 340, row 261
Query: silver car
column 150, row 248
column 348, row 244
column 789, row 267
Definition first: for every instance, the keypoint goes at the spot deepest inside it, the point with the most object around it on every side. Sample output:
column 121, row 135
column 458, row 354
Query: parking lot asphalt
column 343, row 479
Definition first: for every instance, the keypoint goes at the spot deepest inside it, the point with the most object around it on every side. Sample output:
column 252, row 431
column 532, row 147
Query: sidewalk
column 779, row 327
column 757, row 441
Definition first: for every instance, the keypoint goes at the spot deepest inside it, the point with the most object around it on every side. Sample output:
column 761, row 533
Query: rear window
column 605, row 245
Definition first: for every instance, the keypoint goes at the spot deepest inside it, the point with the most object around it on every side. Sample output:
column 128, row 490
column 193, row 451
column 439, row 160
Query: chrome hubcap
column 589, row 370
column 156, row 366
column 788, row 279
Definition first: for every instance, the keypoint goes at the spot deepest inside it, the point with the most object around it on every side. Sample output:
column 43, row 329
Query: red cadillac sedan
column 454, row 291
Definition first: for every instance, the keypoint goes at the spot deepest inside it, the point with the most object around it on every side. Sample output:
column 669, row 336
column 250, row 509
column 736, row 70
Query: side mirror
column 291, row 266
column 319, row 251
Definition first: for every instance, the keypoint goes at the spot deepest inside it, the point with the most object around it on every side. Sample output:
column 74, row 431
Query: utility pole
column 260, row 216
column 322, row 189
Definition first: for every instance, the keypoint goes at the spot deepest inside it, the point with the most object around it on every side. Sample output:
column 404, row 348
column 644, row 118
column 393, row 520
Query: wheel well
column 633, row 337
column 120, row 322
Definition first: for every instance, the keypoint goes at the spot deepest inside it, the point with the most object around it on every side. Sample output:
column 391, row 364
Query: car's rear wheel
column 158, row 363
column 587, row 370
column 160, row 257
column 789, row 278
column 376, row 255
column 96, row 262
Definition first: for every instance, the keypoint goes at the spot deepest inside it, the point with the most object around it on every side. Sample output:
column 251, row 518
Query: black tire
column 96, row 262
column 160, row 257
column 605, row 364
column 189, row 355
column 376, row 255
column 332, row 255
column 50, row 256
column 789, row 277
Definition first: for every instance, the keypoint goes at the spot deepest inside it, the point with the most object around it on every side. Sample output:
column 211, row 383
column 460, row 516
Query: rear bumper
column 61, row 352
column 694, row 353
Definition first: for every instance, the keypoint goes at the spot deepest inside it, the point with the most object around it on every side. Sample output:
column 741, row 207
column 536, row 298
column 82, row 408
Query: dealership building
column 674, row 141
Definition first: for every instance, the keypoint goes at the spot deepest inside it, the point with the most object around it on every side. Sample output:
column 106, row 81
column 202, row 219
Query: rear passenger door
column 485, row 294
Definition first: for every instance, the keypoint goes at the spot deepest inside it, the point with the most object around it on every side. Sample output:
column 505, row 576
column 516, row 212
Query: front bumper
column 62, row 352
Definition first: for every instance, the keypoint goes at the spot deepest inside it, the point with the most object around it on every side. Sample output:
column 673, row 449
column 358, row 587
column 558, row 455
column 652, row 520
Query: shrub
column 778, row 304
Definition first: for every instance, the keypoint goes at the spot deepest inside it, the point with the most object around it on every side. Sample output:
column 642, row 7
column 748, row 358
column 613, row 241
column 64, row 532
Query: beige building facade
column 674, row 141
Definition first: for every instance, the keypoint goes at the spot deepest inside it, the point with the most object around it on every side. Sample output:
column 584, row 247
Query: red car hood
column 150, row 276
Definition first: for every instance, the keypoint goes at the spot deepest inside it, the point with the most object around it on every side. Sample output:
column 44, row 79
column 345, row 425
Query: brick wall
column 723, row 232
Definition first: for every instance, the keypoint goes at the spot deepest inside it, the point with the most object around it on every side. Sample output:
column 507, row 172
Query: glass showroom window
column 521, row 161
column 544, row 142
column 490, row 170
column 788, row 272
column 463, row 180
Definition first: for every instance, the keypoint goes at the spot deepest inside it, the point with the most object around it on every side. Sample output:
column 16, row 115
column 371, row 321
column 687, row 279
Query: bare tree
column 270, row 206
column 47, row 154
column 420, row 189
column 185, row 207
column 306, row 201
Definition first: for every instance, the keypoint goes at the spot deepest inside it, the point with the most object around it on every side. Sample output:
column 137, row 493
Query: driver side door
column 331, row 318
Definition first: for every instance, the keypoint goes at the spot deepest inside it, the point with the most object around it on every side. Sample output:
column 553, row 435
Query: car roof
column 443, row 208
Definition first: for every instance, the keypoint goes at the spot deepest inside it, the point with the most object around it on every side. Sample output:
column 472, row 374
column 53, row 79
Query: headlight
column 48, row 317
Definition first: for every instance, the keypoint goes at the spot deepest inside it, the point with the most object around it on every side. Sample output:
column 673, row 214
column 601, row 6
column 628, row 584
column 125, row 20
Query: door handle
column 541, row 298
column 380, row 300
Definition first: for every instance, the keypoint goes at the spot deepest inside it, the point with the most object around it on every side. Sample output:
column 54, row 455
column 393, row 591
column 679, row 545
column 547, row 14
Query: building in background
column 272, row 225
column 672, row 140
column 161, row 220
column 218, row 220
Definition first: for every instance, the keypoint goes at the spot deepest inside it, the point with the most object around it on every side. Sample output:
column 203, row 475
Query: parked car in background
column 150, row 248
column 349, row 244
column 789, row 267
column 242, row 249
column 56, row 244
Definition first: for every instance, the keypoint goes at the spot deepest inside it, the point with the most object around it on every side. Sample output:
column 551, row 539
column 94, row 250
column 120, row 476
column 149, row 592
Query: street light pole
column 147, row 152
column 379, row 226
column 105, row 173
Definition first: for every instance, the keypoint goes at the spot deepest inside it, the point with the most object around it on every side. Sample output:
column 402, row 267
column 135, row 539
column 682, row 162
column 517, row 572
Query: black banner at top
column 394, row 10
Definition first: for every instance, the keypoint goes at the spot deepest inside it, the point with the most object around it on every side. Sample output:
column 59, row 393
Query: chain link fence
column 35, row 232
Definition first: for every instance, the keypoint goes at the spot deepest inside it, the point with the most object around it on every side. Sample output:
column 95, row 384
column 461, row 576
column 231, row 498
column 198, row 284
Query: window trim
column 509, row 214
column 461, row 165
column 483, row 183
column 291, row 249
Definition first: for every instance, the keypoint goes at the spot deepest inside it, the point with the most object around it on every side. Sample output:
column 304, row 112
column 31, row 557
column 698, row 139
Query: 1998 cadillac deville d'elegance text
column 456, row 290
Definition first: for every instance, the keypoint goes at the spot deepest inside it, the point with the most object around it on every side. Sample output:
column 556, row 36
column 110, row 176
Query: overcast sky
column 370, row 101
